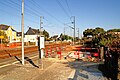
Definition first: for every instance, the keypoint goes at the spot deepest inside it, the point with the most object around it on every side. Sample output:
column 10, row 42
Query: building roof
column 32, row 31
column 14, row 30
column 5, row 27
column 19, row 33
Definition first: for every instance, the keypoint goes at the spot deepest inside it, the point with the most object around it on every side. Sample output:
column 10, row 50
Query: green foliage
column 98, row 31
column 115, row 47
column 114, row 30
column 46, row 34
column 5, row 39
column 65, row 37
column 93, row 32
column 104, row 42
column 100, row 37
column 88, row 32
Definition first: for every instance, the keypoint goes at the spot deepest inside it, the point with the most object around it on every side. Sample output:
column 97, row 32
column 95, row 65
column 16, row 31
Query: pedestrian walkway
column 86, row 71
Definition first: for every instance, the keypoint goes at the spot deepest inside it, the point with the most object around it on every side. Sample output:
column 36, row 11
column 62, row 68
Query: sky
column 58, row 14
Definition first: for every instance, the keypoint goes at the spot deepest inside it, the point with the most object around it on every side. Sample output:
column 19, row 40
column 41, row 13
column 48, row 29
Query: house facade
column 32, row 35
column 19, row 39
column 10, row 32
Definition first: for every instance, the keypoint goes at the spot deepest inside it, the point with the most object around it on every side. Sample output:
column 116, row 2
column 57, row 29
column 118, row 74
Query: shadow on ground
column 31, row 62
column 110, row 72
column 27, row 59
column 18, row 59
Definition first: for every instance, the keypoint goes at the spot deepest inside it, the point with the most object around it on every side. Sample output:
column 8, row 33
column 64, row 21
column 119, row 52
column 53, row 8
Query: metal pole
column 78, row 33
column 40, row 61
column 64, row 31
column 22, row 26
column 74, row 31
column 41, row 25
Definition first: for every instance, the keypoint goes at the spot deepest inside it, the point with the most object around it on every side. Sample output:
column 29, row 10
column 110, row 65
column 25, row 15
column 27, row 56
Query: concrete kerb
column 72, row 74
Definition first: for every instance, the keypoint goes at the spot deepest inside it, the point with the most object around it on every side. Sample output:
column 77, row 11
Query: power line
column 32, row 10
column 9, row 13
column 10, row 6
column 18, row 16
column 63, row 8
column 47, row 12
column 34, row 3
column 28, row 11
column 68, row 7
column 17, row 8
column 39, row 7
column 35, row 10
column 15, row 3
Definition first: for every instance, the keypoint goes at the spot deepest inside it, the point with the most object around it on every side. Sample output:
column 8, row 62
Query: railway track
column 17, row 52
column 7, row 53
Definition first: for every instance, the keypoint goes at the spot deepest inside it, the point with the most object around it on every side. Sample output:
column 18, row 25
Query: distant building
column 32, row 35
column 19, row 35
column 10, row 32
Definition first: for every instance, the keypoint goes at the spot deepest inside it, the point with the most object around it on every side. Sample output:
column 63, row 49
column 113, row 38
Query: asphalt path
column 9, row 63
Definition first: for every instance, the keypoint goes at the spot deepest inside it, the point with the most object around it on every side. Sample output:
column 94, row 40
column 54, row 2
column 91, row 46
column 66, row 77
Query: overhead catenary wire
column 69, row 16
column 15, row 3
column 63, row 8
column 30, row 10
column 68, row 7
column 18, row 16
column 38, row 12
column 2, row 3
column 40, row 7
column 34, row 3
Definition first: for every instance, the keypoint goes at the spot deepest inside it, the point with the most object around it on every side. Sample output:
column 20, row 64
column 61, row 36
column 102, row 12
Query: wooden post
column 102, row 53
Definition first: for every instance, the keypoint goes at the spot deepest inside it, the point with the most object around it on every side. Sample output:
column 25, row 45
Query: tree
column 94, row 36
column 5, row 39
column 114, row 50
column 61, row 36
column 88, row 32
column 65, row 37
column 93, row 32
column 98, row 31
column 114, row 30
column 46, row 34
column 100, row 37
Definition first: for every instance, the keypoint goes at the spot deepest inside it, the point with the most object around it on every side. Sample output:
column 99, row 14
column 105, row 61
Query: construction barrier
column 54, row 51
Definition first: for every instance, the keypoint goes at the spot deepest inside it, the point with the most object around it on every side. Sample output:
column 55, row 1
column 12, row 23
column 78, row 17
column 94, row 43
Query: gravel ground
column 86, row 71
column 53, row 69
column 58, row 71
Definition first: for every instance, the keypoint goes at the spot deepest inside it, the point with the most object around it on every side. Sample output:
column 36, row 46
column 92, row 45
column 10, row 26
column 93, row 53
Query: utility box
column 42, row 42
column 41, row 46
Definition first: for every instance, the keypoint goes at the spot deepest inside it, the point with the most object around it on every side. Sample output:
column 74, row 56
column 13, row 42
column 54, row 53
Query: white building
column 32, row 35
